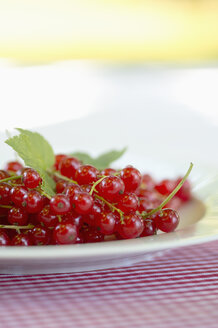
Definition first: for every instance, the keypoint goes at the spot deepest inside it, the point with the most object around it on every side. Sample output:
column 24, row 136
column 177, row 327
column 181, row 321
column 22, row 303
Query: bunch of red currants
column 88, row 205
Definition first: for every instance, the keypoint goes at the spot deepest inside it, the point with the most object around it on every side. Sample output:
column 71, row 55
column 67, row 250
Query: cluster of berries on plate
column 88, row 205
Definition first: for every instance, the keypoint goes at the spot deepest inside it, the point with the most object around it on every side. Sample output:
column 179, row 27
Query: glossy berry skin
column 91, row 235
column 131, row 177
column 184, row 192
column 86, row 174
column 22, row 240
column 149, row 228
column 148, row 182
column 47, row 218
column 165, row 187
column 174, row 203
column 73, row 218
column 107, row 223
column 4, row 239
column 68, row 166
column 71, row 190
column 31, row 178
column 34, row 201
column 40, row 235
column 65, row 233
column 167, row 220
column 128, row 202
column 3, row 174
column 5, row 193
column 97, row 208
column 60, row 204
column 17, row 216
column 60, row 186
column 18, row 195
column 110, row 188
column 108, row 171
column 82, row 202
column 131, row 227
column 58, row 159
column 13, row 166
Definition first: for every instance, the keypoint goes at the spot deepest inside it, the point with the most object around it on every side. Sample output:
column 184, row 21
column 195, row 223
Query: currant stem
column 58, row 175
column 96, row 183
column 3, row 226
column 15, row 177
column 5, row 206
column 114, row 208
column 44, row 194
column 157, row 209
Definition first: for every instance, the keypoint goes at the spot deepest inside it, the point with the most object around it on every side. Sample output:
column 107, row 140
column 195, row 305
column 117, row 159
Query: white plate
column 163, row 138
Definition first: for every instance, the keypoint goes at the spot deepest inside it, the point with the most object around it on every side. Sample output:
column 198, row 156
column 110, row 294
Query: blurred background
column 65, row 59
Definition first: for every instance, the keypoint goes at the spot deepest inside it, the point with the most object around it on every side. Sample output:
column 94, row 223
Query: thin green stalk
column 15, row 177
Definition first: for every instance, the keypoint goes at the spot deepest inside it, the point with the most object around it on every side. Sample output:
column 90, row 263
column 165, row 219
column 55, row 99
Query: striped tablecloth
column 177, row 289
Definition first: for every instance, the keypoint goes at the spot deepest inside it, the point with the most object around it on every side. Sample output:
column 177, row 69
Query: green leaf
column 102, row 161
column 37, row 153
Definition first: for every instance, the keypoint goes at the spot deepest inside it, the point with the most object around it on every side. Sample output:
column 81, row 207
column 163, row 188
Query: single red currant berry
column 18, row 195
column 184, row 192
column 31, row 178
column 82, row 202
column 86, row 188
column 58, row 159
column 47, row 218
column 106, row 223
column 4, row 239
column 5, row 193
column 40, row 235
column 131, row 227
column 79, row 240
column 131, row 177
column 128, row 202
column 145, row 204
column 108, row 171
column 22, row 240
column 17, row 216
column 86, row 174
column 71, row 190
column 3, row 174
column 97, row 208
column 65, row 233
column 60, row 186
column 68, row 166
column 149, row 228
column 165, row 187
column 60, row 204
column 91, row 235
column 111, row 188
column 34, row 201
column 73, row 218
column 13, row 166
column 167, row 220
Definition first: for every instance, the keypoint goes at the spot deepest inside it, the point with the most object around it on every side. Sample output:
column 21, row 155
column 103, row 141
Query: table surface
column 177, row 288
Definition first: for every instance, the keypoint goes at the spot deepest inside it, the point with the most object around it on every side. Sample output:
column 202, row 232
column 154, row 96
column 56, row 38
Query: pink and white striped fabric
column 178, row 289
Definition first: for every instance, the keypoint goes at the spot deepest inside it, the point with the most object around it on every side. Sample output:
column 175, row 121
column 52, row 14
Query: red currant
column 60, row 186
column 73, row 218
column 82, row 202
column 58, row 159
column 47, row 218
column 60, row 204
column 65, row 233
column 131, row 227
column 5, row 195
column 18, row 195
column 31, row 178
column 68, row 166
column 128, row 202
column 13, row 166
column 167, row 220
column 184, row 192
column 91, row 235
column 110, row 188
column 108, row 171
column 131, row 177
column 149, row 228
column 3, row 174
column 106, row 223
column 34, row 201
column 40, row 235
column 71, row 190
column 165, row 187
column 148, row 182
column 4, row 239
column 22, row 240
column 86, row 174
column 174, row 203
column 17, row 216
